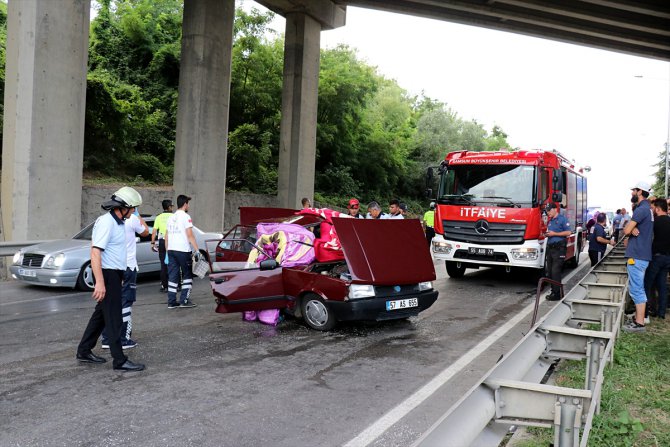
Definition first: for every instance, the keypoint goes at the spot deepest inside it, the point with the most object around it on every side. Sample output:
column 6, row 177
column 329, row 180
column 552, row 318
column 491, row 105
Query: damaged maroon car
column 375, row 270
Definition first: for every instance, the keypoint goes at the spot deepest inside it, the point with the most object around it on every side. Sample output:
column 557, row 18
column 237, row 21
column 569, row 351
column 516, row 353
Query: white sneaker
column 646, row 320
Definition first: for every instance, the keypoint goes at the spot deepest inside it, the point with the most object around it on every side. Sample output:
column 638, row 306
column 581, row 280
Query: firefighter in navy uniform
column 558, row 230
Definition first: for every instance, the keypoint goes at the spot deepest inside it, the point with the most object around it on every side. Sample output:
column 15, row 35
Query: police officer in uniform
column 108, row 262
column 558, row 230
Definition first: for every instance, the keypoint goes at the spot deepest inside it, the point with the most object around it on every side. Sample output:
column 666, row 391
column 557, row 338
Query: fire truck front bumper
column 529, row 254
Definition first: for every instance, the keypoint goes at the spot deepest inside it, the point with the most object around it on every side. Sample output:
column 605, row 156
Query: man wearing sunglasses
column 352, row 209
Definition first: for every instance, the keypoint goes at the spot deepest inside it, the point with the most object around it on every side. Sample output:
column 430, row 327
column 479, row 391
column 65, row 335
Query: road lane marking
column 382, row 424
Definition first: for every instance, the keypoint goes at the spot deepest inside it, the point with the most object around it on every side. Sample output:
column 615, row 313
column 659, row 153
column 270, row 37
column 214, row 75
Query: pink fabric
column 299, row 248
column 249, row 315
column 269, row 316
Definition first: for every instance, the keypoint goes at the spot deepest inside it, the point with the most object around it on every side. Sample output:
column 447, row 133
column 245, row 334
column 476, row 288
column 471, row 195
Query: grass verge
column 635, row 404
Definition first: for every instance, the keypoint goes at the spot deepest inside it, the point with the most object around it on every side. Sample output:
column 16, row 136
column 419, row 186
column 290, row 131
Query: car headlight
column 427, row 285
column 18, row 257
column 525, row 254
column 55, row 261
column 357, row 291
column 442, row 247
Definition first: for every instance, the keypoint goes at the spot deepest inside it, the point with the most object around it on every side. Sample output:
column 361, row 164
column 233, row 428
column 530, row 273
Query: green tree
column 497, row 140
column 132, row 88
column 659, row 185
column 346, row 85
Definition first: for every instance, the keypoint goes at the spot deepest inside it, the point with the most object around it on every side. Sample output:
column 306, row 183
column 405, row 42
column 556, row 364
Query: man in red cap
column 352, row 209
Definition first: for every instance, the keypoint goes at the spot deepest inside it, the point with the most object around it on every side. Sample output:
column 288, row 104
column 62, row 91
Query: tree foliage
column 374, row 140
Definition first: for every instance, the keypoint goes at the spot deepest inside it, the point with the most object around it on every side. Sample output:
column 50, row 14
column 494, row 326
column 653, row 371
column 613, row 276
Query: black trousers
column 107, row 313
column 164, row 269
column 430, row 234
column 595, row 256
column 555, row 259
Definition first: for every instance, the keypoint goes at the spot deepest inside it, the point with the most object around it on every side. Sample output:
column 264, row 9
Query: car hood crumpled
column 385, row 252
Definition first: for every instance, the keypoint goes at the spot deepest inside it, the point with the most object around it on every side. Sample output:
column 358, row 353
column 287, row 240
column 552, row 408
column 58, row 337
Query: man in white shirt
column 108, row 262
column 134, row 224
column 394, row 210
column 178, row 242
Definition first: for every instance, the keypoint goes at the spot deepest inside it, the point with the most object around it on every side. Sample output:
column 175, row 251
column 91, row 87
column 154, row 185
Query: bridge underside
column 640, row 28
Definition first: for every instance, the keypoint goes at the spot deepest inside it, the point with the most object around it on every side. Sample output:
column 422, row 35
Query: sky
column 591, row 105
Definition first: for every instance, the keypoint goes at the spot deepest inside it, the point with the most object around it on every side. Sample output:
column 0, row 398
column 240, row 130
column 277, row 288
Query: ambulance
column 490, row 208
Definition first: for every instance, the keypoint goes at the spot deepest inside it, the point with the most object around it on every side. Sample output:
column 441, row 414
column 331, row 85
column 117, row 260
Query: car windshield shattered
column 491, row 185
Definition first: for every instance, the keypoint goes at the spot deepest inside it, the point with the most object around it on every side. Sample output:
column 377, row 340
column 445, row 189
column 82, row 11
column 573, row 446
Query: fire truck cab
column 490, row 208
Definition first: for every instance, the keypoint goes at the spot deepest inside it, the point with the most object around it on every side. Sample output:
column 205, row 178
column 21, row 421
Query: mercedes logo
column 481, row 226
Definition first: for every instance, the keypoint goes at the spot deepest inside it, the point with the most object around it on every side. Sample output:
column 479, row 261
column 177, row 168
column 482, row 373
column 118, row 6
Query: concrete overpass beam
column 297, row 146
column 329, row 14
column 202, row 115
column 45, row 104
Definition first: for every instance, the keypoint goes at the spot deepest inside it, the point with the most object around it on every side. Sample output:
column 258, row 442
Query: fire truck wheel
column 574, row 262
column 453, row 270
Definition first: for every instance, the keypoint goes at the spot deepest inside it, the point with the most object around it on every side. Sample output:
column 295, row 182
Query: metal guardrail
column 9, row 248
column 511, row 393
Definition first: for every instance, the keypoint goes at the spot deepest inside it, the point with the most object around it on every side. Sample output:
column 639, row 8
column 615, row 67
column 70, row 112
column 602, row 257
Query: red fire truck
column 490, row 208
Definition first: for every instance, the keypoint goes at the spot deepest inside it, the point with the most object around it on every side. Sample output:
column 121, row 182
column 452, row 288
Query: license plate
column 24, row 272
column 480, row 251
column 402, row 304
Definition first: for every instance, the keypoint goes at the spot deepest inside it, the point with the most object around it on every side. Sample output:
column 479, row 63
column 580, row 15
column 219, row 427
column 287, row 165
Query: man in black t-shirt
column 598, row 241
column 657, row 272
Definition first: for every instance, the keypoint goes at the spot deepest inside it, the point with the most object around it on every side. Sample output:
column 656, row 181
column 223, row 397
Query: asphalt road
column 214, row 380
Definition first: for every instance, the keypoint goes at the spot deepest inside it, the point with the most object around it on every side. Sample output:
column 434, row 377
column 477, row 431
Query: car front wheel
column 85, row 280
column 316, row 313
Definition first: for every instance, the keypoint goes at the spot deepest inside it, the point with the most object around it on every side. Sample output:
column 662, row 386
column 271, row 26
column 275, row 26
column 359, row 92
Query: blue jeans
column 179, row 261
column 636, row 280
column 657, row 277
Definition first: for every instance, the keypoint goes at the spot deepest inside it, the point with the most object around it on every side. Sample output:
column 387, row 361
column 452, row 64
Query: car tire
column 316, row 313
column 86, row 280
column 453, row 270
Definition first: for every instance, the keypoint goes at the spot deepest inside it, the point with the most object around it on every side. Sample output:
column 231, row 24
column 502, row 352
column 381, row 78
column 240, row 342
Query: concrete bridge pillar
column 202, row 115
column 45, row 104
column 297, row 144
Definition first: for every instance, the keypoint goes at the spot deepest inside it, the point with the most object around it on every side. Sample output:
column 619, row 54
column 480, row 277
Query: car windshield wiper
column 514, row 204
column 465, row 197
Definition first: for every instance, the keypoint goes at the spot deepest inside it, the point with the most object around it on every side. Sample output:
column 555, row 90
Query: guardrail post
column 594, row 350
column 566, row 427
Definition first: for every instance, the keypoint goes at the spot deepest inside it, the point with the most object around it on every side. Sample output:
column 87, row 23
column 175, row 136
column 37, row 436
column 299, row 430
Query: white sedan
column 67, row 262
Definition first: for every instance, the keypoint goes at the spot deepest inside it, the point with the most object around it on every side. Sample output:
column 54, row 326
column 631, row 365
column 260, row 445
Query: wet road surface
column 214, row 380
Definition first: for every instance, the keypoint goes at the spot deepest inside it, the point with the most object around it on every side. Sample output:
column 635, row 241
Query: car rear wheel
column 85, row 280
column 453, row 270
column 316, row 313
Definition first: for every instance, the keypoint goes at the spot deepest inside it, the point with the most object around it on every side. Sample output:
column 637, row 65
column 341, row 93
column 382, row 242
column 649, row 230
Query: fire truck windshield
column 491, row 185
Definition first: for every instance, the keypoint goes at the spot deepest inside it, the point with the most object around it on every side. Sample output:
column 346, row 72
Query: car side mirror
column 429, row 193
column 429, row 174
column 268, row 264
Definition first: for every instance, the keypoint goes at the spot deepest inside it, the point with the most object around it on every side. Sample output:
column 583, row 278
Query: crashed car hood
column 386, row 251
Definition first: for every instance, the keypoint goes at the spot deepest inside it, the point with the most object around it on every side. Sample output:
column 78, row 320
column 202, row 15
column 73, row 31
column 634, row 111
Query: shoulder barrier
column 512, row 392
